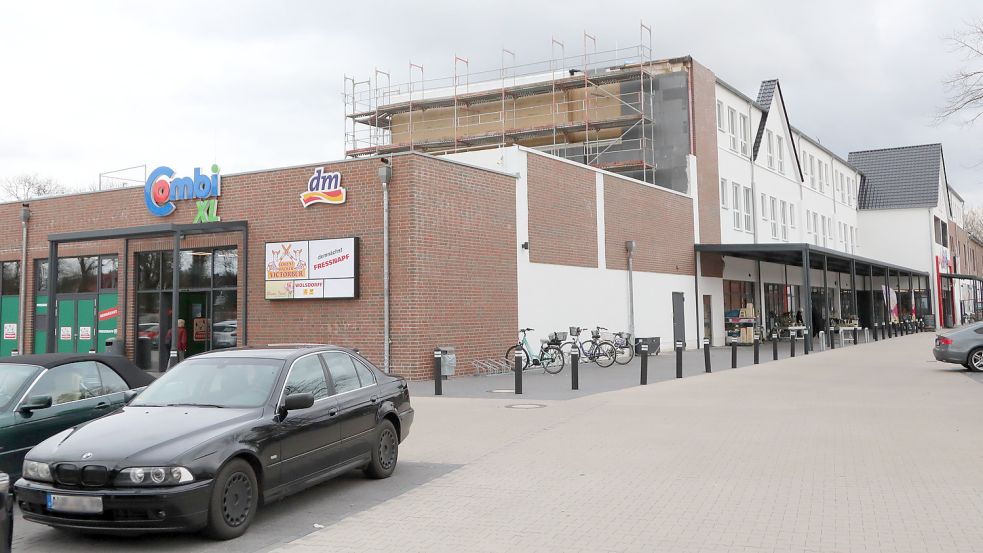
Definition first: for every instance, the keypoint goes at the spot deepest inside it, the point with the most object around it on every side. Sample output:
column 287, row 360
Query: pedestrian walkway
column 871, row 448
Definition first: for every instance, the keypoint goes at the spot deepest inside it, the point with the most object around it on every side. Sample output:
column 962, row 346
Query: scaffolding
column 595, row 108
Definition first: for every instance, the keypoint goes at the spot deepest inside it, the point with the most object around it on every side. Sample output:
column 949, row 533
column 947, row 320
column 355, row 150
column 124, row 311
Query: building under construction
column 606, row 109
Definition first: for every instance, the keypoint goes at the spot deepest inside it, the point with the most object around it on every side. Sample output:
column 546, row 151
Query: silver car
column 963, row 346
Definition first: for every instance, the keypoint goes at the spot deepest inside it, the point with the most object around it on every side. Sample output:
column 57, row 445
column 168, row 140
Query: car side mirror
column 130, row 395
column 35, row 403
column 294, row 402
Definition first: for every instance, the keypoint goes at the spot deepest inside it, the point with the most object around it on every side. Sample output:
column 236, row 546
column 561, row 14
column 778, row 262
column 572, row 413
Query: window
column 804, row 162
column 307, row 377
column 77, row 274
column 736, row 192
column 69, row 382
column 744, row 134
column 10, row 285
column 723, row 193
column 781, row 155
column 815, row 228
column 365, row 374
column 812, row 173
column 111, row 382
column 842, row 188
column 226, row 270
column 731, row 128
column 849, row 192
column 784, row 220
column 809, row 221
column 774, row 218
column 108, row 272
column 720, row 115
column 770, row 142
column 826, row 176
column 791, row 215
column 822, row 178
column 825, row 230
column 343, row 374
column 764, row 207
column 853, row 239
column 748, row 210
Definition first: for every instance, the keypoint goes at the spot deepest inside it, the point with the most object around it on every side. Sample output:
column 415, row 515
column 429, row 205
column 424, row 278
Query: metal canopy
column 177, row 231
column 793, row 254
column 961, row 276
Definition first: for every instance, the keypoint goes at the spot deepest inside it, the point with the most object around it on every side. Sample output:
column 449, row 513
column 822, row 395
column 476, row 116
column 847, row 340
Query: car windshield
column 213, row 382
column 12, row 378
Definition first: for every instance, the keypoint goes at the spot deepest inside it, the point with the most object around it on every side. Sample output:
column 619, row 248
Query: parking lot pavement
column 872, row 448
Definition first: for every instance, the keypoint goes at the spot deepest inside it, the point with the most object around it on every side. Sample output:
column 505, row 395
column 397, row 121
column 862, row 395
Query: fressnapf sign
column 312, row 269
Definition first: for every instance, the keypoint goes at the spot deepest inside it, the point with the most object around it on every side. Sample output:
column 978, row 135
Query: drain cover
column 526, row 406
column 502, row 391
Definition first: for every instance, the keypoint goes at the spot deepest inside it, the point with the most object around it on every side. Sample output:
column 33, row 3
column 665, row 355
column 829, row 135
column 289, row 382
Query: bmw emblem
column 87, row 456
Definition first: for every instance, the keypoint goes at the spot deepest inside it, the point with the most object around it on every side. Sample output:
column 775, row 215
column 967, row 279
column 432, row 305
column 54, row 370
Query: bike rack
column 491, row 366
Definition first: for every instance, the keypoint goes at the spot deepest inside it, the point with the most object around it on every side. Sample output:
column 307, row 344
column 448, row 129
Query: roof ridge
column 909, row 147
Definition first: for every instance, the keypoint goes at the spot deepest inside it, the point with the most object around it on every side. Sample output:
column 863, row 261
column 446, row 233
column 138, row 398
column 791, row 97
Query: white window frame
column 764, row 207
column 791, row 215
column 720, row 115
column 749, row 212
column 808, row 221
column 825, row 229
column 781, row 154
column 853, row 239
column 784, row 219
column 772, row 201
column 724, row 192
column 745, row 134
column 731, row 130
column 736, row 195
column 770, row 141
column 812, row 171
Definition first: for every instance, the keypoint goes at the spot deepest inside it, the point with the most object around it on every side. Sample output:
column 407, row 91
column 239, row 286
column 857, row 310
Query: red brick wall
column 453, row 274
column 562, row 213
column 704, row 85
column 660, row 222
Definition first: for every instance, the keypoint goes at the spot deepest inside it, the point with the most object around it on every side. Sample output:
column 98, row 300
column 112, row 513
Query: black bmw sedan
column 217, row 436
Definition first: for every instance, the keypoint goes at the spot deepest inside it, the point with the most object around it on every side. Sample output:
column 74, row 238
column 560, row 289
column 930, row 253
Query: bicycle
column 550, row 357
column 599, row 351
column 624, row 349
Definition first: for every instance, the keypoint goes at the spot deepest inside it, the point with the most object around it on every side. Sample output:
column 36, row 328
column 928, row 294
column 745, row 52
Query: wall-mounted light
column 525, row 245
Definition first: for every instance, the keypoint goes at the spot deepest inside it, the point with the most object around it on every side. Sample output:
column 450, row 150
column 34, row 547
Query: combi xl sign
column 163, row 190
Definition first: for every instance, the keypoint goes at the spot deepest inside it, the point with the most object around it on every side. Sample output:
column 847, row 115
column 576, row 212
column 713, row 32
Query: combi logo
column 323, row 188
column 162, row 190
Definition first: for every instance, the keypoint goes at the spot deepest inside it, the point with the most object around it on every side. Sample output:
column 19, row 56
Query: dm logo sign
column 162, row 190
column 323, row 188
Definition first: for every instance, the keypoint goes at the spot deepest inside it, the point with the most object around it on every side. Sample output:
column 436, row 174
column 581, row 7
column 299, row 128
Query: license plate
column 75, row 503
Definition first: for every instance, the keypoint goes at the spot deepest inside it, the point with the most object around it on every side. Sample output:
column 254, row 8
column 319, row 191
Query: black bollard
column 774, row 345
column 757, row 342
column 856, row 334
column 645, row 364
column 518, row 371
column 574, row 369
column 438, row 388
column 875, row 331
column 832, row 339
column 792, row 346
column 806, row 344
column 706, row 354
column 883, row 331
column 679, row 359
column 733, row 355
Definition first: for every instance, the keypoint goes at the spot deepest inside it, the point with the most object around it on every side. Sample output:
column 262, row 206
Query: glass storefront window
column 11, row 278
column 148, row 330
column 148, row 271
column 167, row 270
column 77, row 274
column 225, row 325
column 195, row 269
column 108, row 272
column 42, row 275
column 226, row 268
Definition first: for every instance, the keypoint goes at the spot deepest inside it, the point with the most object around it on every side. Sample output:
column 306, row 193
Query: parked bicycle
column 599, row 351
column 624, row 349
column 550, row 357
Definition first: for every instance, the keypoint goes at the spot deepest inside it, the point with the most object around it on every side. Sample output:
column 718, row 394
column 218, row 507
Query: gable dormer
column 772, row 104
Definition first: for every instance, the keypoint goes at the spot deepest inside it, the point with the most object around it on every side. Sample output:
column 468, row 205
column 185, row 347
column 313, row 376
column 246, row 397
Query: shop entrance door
column 76, row 324
column 194, row 312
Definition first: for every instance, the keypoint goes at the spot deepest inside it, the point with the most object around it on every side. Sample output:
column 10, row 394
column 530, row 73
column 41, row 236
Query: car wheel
column 385, row 451
column 976, row 359
column 235, row 496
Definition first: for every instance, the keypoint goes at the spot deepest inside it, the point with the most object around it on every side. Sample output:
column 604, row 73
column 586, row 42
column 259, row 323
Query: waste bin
column 143, row 351
column 448, row 360
column 114, row 346
column 7, row 518
column 652, row 343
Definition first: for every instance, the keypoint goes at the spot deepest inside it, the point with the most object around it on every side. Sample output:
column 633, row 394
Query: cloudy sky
column 88, row 87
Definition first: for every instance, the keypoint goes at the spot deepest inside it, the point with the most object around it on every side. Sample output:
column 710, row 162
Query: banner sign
column 312, row 269
column 110, row 313
column 10, row 331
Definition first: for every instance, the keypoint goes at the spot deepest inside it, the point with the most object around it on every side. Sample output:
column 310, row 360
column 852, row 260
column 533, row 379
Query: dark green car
column 41, row 395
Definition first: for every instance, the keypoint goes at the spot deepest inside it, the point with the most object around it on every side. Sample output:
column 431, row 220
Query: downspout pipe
column 25, row 216
column 385, row 175
column 630, row 247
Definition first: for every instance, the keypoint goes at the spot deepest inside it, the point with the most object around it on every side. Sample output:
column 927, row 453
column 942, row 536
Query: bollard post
column 774, row 345
column 733, row 355
column 875, row 332
column 171, row 360
column 645, row 364
column 706, row 354
column 883, row 331
column 518, row 370
column 679, row 359
column 822, row 340
column 866, row 335
column 438, row 385
column 806, row 344
column 757, row 342
column 856, row 336
column 575, row 369
column 792, row 346
column 832, row 338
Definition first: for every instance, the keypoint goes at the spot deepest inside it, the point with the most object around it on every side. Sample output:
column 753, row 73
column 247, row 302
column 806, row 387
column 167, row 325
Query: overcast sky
column 88, row 87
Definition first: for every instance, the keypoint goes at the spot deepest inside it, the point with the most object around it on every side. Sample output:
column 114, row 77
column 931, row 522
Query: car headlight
column 154, row 476
column 34, row 470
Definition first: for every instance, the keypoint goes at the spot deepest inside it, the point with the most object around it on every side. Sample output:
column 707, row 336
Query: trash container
column 114, row 346
column 652, row 343
column 7, row 515
column 143, row 352
column 448, row 360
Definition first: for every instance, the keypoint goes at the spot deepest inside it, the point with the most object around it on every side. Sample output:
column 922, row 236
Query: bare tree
column 966, row 85
column 28, row 187
column 973, row 222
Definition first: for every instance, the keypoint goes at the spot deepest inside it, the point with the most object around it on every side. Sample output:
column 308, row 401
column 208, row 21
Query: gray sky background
column 87, row 87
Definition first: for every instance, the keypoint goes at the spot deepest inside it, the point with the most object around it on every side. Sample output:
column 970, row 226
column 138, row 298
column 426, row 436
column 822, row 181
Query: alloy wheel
column 237, row 499
column 387, row 449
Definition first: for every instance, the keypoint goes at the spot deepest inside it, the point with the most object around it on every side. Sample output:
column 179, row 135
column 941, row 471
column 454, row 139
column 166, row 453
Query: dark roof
column 765, row 95
column 898, row 178
column 133, row 375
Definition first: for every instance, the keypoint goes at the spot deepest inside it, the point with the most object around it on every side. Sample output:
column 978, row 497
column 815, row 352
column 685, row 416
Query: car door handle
column 332, row 412
column 102, row 405
column 374, row 399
